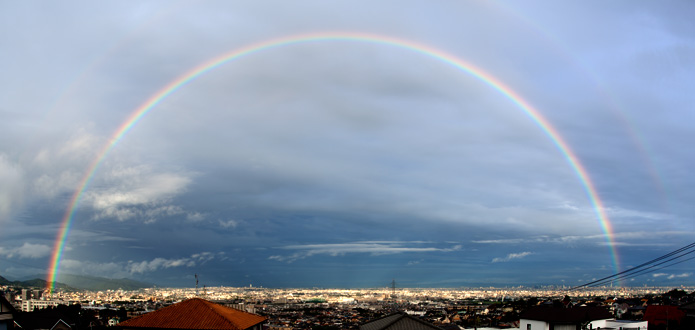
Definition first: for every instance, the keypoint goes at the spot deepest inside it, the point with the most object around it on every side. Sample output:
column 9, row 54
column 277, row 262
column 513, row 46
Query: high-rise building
column 26, row 294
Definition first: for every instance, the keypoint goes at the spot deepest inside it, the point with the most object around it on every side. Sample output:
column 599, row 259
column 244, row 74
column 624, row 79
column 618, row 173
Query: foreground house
column 560, row 318
column 398, row 321
column 575, row 318
column 7, row 313
column 195, row 314
column 45, row 319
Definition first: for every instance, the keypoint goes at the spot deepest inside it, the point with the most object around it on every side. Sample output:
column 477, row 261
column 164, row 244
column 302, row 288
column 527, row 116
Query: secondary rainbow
column 196, row 72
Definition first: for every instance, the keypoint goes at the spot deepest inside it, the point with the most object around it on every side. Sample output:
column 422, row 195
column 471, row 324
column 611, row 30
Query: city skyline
column 316, row 145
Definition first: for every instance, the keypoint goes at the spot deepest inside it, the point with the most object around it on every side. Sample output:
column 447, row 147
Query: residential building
column 623, row 324
column 7, row 313
column 560, row 318
column 26, row 294
column 398, row 321
column 44, row 319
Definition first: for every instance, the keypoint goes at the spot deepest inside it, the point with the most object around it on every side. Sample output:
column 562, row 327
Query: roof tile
column 195, row 313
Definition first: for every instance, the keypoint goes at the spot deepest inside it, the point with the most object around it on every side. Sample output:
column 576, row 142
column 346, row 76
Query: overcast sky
column 344, row 163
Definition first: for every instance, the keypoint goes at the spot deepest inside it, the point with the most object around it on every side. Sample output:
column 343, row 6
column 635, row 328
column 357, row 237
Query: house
column 7, row 313
column 624, row 325
column 43, row 324
column 398, row 321
column 43, row 320
column 560, row 318
column 195, row 314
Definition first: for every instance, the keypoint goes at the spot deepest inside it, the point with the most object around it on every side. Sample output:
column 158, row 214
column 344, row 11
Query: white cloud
column 195, row 216
column 126, row 269
column 139, row 193
column 512, row 256
column 615, row 212
column 683, row 275
column 619, row 239
column 27, row 251
column 157, row 263
column 162, row 263
column 229, row 223
column 370, row 247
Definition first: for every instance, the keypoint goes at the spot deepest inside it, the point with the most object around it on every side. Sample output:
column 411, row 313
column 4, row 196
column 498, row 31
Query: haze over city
column 345, row 144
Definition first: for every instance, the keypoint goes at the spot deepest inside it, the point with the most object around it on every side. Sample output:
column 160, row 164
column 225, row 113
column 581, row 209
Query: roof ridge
column 205, row 315
column 156, row 310
column 420, row 320
column 397, row 317
column 401, row 315
column 214, row 308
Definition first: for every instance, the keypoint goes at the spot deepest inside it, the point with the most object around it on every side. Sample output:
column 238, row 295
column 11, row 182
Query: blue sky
column 345, row 163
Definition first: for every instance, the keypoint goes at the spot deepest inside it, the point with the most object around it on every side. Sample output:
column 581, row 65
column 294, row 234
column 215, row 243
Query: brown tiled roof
column 195, row 313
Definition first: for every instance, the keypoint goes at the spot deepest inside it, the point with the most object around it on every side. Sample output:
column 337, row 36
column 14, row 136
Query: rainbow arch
column 423, row 49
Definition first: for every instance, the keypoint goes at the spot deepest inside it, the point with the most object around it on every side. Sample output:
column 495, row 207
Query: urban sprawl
column 326, row 309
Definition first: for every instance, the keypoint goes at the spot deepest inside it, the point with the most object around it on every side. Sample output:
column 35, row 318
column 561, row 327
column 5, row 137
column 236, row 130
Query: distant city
column 325, row 309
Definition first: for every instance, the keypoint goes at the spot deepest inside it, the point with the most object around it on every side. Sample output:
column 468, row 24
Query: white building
column 31, row 304
column 624, row 325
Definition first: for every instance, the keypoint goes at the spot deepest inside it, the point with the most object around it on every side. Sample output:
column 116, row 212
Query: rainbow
column 196, row 72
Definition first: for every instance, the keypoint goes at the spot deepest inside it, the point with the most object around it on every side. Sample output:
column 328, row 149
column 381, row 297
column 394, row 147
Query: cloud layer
column 347, row 162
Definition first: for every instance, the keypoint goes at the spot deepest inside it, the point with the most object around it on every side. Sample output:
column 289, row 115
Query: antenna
column 196, row 285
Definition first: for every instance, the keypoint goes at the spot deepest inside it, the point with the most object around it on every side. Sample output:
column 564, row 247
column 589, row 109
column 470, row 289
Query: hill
column 94, row 283
column 35, row 283
column 70, row 282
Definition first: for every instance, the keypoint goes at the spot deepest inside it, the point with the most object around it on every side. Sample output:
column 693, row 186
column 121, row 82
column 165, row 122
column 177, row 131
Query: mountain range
column 79, row 282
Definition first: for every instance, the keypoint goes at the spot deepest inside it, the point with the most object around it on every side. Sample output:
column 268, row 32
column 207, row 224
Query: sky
column 348, row 162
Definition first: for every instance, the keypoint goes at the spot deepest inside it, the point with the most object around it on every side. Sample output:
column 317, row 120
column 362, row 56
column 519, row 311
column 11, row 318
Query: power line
column 653, row 270
column 640, row 269
column 647, row 270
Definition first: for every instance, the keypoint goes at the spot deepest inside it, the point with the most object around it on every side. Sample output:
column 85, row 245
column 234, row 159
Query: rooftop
column 570, row 315
column 195, row 313
column 399, row 321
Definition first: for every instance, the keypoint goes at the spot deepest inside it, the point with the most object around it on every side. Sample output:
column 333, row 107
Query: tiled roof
column 195, row 313
column 399, row 321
